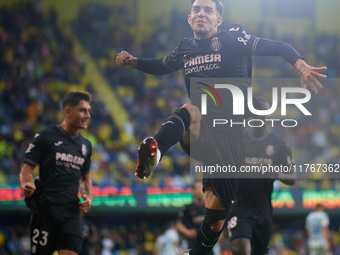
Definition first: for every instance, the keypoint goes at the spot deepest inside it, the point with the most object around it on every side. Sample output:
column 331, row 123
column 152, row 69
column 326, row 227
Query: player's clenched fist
column 86, row 204
column 27, row 189
column 126, row 59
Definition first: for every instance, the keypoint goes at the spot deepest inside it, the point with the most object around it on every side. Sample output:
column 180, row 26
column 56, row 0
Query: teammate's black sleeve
column 183, row 215
column 154, row 66
column 285, row 157
column 87, row 164
column 36, row 149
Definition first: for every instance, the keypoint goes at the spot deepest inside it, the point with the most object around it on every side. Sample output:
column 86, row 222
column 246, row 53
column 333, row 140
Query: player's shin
column 172, row 129
column 205, row 239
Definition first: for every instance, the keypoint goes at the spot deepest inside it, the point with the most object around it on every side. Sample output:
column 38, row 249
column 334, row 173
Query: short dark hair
column 73, row 98
column 219, row 6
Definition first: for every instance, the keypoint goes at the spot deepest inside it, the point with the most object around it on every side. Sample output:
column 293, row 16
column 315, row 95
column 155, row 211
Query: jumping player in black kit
column 211, row 53
column 64, row 156
column 250, row 216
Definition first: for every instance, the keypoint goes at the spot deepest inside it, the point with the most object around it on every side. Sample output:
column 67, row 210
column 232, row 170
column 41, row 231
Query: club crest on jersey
column 29, row 148
column 215, row 44
column 269, row 150
column 83, row 149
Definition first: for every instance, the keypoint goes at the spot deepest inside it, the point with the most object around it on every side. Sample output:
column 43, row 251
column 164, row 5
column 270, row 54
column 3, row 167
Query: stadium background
column 51, row 47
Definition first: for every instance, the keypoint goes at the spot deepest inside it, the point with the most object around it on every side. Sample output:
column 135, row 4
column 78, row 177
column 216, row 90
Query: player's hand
column 86, row 204
column 126, row 59
column 27, row 189
column 308, row 75
column 192, row 233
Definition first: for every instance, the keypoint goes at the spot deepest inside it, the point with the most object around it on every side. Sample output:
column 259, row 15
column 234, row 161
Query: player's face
column 79, row 115
column 197, row 190
column 204, row 19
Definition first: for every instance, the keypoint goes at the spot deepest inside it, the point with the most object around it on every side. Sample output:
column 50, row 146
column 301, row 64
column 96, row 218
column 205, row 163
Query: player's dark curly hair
column 219, row 6
column 73, row 98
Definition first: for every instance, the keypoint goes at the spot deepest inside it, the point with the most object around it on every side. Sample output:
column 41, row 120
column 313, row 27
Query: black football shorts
column 257, row 230
column 50, row 233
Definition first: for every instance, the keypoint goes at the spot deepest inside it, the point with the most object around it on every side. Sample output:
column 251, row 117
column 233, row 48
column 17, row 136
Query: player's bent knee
column 217, row 226
column 215, row 219
column 184, row 116
column 194, row 112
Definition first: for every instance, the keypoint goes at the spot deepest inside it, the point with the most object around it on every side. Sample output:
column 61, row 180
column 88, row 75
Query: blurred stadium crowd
column 38, row 66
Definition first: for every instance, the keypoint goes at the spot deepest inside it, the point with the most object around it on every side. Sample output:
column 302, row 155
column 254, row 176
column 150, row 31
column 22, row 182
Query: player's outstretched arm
column 154, row 66
column 85, row 185
column 308, row 74
column 25, row 177
column 124, row 58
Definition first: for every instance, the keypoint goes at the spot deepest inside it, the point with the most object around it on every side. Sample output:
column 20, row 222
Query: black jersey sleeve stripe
column 180, row 121
column 254, row 45
column 31, row 162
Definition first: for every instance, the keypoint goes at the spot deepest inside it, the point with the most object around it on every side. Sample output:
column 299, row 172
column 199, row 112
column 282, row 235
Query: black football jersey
column 62, row 160
column 192, row 215
column 225, row 55
column 253, row 196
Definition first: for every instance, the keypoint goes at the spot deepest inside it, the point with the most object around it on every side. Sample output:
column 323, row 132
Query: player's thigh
column 240, row 234
column 239, row 227
column 223, row 191
column 212, row 201
column 240, row 246
column 192, row 134
column 43, row 234
column 196, row 149
column 70, row 236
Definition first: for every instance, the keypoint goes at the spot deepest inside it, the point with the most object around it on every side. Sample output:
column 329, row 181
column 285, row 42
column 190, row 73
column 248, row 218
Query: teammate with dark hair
column 250, row 216
column 64, row 156
column 211, row 53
